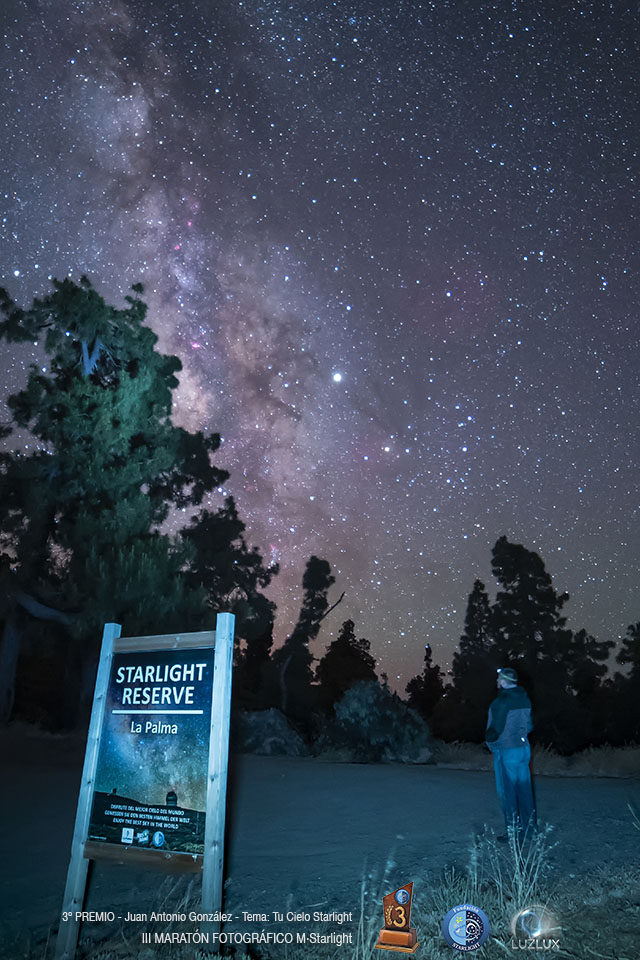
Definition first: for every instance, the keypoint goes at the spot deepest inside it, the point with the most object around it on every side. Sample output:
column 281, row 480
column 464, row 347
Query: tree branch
column 89, row 361
column 339, row 600
column 40, row 610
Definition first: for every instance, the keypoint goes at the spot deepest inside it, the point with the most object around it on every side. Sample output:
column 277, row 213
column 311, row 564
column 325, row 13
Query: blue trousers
column 513, row 782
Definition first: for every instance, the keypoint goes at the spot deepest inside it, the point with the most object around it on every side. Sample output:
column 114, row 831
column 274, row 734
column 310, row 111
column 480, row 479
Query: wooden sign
column 153, row 785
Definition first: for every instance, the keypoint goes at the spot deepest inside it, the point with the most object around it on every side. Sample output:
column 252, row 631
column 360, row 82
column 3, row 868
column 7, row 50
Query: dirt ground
column 300, row 833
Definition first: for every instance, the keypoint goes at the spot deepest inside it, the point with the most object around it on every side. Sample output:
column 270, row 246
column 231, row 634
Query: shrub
column 266, row 733
column 376, row 725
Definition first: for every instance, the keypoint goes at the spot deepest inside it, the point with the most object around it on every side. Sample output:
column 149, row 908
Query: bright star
column 337, row 377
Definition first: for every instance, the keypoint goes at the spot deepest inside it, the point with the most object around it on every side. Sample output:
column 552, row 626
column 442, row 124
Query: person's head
column 507, row 677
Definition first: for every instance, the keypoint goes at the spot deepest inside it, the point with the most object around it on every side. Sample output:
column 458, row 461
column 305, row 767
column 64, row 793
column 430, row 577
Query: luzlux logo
column 533, row 928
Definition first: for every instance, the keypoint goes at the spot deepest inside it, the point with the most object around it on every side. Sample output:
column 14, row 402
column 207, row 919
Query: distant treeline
column 576, row 703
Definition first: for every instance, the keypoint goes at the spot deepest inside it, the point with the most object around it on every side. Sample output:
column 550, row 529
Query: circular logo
column 158, row 838
column 465, row 927
column 402, row 896
column 532, row 923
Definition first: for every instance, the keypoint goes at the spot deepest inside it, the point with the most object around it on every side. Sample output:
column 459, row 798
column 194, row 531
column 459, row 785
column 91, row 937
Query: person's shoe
column 502, row 838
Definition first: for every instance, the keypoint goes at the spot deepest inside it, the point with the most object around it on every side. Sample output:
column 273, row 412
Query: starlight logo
column 532, row 928
column 466, row 927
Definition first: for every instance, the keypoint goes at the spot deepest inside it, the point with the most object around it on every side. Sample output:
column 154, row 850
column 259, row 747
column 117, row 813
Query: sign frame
column 212, row 860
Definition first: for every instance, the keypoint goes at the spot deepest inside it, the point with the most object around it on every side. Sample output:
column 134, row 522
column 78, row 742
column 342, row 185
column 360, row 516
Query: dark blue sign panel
column 151, row 779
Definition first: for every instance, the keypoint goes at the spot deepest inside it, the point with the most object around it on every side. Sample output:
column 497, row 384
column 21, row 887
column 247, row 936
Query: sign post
column 217, row 774
column 74, row 891
column 153, row 785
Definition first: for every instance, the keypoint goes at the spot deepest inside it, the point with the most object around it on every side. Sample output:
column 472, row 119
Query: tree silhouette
column 626, row 706
column 562, row 671
column 425, row 691
column 585, row 665
column 346, row 661
column 231, row 574
column 462, row 714
column 253, row 682
column 526, row 617
column 292, row 662
column 477, row 641
column 629, row 652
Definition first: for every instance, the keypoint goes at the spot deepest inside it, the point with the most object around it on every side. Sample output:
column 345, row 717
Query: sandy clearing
column 299, row 832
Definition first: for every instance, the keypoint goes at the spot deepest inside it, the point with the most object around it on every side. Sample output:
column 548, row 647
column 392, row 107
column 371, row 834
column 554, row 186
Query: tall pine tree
column 231, row 574
column 346, row 661
column 626, row 717
column 82, row 509
column 292, row 663
column 527, row 619
column 473, row 672
column 425, row 691
column 531, row 635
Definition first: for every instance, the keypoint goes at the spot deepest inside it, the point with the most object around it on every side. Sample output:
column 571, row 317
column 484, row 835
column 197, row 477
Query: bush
column 374, row 724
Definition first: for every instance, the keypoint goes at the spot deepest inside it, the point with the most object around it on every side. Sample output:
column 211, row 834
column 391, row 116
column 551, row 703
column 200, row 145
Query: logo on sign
column 158, row 838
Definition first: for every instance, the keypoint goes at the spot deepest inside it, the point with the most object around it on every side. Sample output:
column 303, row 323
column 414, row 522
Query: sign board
column 151, row 779
column 153, row 786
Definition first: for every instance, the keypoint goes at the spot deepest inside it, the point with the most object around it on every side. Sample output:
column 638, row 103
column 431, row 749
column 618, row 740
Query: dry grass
column 461, row 756
column 595, row 915
column 620, row 762
column 498, row 879
column 593, row 762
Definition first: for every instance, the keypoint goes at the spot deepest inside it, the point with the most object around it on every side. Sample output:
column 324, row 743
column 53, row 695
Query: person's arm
column 497, row 718
column 530, row 717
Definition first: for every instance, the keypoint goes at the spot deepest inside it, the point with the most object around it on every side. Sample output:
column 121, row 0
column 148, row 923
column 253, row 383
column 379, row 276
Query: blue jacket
column 509, row 720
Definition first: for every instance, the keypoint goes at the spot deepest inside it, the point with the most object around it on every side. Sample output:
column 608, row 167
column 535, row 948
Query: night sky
column 394, row 246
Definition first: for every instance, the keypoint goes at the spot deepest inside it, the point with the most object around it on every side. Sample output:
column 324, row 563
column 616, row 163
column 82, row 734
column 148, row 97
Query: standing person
column 508, row 726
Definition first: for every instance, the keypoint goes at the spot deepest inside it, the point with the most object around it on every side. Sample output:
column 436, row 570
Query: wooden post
column 75, row 888
column 217, row 775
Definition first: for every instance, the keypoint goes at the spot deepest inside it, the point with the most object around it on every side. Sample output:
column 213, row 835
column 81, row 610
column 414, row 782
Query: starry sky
column 395, row 248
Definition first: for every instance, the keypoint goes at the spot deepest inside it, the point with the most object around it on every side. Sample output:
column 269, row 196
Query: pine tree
column 476, row 643
column 626, row 713
column 81, row 512
column 527, row 619
column 425, row 691
column 231, row 574
column 585, row 665
column 532, row 636
column 292, row 662
column 473, row 670
column 253, row 674
column 346, row 661
column 629, row 652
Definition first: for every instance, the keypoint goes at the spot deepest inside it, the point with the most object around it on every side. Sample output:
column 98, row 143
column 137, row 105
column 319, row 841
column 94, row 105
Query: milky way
column 394, row 247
